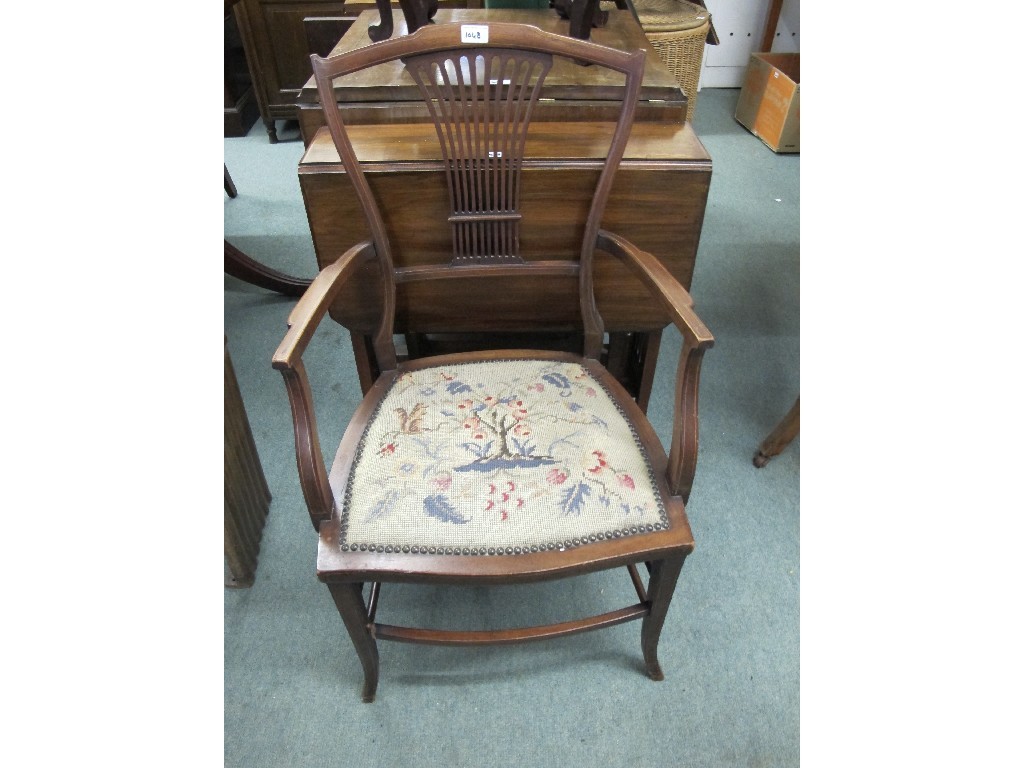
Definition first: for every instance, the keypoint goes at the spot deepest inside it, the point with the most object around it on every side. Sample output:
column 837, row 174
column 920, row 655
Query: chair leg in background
column 229, row 185
column 780, row 437
column 349, row 599
column 664, row 574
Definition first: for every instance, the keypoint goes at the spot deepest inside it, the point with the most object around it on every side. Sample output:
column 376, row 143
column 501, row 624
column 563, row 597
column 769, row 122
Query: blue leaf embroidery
column 455, row 387
column 383, row 506
column 573, row 498
column 523, row 449
column 476, row 450
column 557, row 380
column 438, row 506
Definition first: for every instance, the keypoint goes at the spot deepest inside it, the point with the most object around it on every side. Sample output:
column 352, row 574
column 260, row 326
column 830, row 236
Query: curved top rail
column 444, row 37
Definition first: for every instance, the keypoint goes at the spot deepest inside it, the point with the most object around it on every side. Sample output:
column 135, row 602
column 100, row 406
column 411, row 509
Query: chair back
column 481, row 84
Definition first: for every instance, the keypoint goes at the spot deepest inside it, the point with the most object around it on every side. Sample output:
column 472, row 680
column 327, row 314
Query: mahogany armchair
column 506, row 466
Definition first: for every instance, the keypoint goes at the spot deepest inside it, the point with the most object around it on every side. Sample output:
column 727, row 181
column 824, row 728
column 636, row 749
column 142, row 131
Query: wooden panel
column 246, row 495
column 324, row 32
column 396, row 145
column 290, row 53
column 240, row 109
column 658, row 202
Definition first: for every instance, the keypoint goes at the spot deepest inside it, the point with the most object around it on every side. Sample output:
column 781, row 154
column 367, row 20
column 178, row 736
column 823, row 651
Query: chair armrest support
column 302, row 324
column 682, row 460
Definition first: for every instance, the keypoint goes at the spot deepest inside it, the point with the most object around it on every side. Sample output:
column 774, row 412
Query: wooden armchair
column 493, row 467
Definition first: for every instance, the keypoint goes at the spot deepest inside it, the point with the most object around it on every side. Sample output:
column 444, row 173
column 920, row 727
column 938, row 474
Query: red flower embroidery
column 626, row 480
column 387, row 449
column 601, row 462
column 557, row 477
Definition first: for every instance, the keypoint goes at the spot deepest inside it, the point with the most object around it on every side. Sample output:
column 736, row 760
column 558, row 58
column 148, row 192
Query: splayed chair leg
column 664, row 574
column 349, row 599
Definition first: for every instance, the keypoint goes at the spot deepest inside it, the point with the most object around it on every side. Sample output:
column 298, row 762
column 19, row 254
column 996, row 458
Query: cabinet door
column 279, row 36
column 280, row 47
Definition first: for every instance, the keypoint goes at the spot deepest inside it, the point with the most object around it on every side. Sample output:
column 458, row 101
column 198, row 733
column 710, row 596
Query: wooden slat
column 507, row 636
column 638, row 583
column 444, row 272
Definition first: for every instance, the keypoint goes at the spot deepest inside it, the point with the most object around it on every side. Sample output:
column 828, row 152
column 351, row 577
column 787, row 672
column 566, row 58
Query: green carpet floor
column 730, row 648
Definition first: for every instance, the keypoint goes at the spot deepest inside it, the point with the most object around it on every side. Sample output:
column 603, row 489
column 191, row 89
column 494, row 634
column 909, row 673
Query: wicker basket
column 677, row 30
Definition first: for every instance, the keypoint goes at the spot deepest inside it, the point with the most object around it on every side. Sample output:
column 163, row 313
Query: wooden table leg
column 648, row 347
column 780, row 437
column 366, row 361
column 632, row 359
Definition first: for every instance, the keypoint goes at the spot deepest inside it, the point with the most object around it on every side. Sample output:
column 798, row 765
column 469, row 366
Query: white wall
column 740, row 27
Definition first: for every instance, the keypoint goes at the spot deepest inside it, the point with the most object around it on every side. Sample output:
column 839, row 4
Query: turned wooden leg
column 780, row 437
column 271, row 126
column 349, row 599
column 664, row 574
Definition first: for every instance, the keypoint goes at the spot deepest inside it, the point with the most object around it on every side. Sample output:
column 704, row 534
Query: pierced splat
column 481, row 105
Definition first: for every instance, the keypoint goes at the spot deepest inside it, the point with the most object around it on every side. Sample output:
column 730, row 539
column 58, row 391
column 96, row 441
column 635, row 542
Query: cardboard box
column 769, row 104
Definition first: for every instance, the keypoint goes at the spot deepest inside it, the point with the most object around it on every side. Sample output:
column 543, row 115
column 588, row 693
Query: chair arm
column 663, row 285
column 302, row 324
column 682, row 458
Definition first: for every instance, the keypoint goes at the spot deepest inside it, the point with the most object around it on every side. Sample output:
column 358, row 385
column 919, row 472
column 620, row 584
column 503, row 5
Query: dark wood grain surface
column 657, row 202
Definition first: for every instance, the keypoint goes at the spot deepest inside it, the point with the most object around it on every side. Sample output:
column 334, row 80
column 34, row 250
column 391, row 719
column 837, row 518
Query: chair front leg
column 349, row 599
column 664, row 574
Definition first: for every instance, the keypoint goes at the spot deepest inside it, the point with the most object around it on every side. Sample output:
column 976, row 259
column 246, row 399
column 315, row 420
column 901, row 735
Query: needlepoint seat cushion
column 496, row 458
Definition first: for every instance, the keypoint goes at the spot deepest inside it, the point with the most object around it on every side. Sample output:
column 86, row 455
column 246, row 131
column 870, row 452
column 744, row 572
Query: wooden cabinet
column 280, row 35
column 240, row 109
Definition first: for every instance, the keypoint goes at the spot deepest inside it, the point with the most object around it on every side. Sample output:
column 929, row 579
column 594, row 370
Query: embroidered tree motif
column 505, row 421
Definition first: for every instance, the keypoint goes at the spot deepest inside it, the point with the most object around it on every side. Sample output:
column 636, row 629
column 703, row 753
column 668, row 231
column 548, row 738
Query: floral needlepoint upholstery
column 498, row 457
